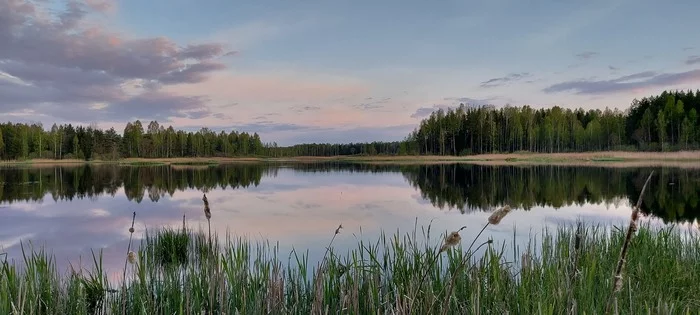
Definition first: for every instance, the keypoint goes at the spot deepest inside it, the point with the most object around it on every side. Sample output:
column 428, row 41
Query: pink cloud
column 264, row 88
column 107, row 6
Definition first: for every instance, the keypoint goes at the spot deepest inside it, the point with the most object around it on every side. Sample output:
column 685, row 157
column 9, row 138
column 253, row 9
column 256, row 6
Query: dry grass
column 607, row 159
column 41, row 162
column 680, row 155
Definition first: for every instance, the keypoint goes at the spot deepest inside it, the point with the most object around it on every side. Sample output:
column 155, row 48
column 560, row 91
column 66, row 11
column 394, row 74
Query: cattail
column 128, row 259
column 337, row 231
column 498, row 215
column 625, row 248
column 451, row 240
column 132, row 257
column 207, row 211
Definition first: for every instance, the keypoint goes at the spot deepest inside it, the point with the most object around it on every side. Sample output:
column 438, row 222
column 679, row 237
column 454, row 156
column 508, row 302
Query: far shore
column 602, row 158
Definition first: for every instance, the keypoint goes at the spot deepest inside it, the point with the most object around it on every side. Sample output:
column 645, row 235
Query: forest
column 659, row 123
column 665, row 122
column 24, row 141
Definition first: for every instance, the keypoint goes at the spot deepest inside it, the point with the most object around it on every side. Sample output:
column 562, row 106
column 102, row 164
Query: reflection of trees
column 90, row 181
column 672, row 194
column 468, row 187
column 347, row 167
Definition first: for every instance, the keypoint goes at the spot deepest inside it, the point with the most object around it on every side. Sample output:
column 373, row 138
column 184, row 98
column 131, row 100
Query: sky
column 335, row 70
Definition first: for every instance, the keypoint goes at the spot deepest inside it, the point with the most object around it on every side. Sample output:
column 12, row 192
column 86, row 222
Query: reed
column 128, row 254
column 390, row 275
column 617, row 277
column 207, row 214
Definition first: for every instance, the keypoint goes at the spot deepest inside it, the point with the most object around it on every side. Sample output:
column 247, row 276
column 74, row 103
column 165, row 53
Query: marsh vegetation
column 176, row 271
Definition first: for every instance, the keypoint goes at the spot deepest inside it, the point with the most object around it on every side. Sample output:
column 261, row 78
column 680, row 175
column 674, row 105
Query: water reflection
column 300, row 205
column 673, row 195
column 89, row 181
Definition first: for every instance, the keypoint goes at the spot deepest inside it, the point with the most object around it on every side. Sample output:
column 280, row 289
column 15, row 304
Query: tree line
column 25, row 141
column 665, row 122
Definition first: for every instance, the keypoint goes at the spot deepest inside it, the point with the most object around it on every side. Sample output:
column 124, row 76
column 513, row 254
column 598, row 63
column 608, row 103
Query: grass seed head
column 207, row 211
column 337, row 231
column 131, row 257
column 131, row 230
column 451, row 240
column 498, row 215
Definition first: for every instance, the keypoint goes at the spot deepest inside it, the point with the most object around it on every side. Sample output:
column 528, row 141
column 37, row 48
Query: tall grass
column 179, row 271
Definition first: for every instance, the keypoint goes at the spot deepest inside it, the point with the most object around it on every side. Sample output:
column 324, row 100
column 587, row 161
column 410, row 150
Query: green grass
column 179, row 272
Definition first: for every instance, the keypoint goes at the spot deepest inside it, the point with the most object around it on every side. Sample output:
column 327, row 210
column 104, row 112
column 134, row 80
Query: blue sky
column 333, row 71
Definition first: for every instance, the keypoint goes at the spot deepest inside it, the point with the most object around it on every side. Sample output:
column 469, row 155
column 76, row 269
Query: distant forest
column 665, row 122
column 660, row 123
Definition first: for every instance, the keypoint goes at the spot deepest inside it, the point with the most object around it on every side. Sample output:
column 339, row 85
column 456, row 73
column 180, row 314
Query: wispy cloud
column 107, row 6
column 505, row 80
column 637, row 81
column 471, row 101
column 586, row 55
column 372, row 104
column 301, row 109
column 693, row 60
column 255, row 33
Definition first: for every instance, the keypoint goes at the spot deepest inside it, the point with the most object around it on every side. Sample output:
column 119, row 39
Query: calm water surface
column 72, row 209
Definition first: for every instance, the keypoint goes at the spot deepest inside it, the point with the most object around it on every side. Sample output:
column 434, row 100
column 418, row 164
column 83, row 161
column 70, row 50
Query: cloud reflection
column 299, row 210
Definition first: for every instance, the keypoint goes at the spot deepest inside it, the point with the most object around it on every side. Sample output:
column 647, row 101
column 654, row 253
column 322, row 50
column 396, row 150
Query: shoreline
column 598, row 158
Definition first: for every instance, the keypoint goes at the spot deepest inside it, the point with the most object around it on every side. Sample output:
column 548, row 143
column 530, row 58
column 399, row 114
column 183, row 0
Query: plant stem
column 625, row 248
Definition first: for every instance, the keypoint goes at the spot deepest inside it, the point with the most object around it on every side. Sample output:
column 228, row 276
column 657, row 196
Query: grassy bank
column 681, row 158
column 180, row 272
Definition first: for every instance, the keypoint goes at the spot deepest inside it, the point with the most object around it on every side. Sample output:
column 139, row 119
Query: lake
column 72, row 209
